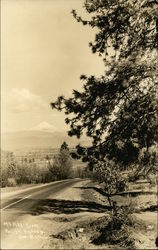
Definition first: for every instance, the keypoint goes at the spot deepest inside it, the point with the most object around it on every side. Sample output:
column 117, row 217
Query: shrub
column 46, row 177
column 11, row 182
column 25, row 171
column 4, row 177
column 110, row 175
column 117, row 230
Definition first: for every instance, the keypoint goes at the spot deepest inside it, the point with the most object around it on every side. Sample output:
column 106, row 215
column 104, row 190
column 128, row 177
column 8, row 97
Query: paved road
column 16, row 209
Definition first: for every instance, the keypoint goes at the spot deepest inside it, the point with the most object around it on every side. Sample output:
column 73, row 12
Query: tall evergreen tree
column 61, row 168
column 119, row 109
column 64, row 146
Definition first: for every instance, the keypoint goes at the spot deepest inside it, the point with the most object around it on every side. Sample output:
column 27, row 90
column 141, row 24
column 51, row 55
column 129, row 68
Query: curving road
column 17, row 207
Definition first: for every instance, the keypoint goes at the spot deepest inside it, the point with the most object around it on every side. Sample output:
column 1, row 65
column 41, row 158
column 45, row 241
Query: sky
column 43, row 53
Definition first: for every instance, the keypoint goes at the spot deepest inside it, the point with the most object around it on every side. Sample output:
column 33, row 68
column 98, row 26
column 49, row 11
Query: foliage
column 11, row 182
column 61, row 168
column 147, row 164
column 117, row 231
column 25, row 171
column 10, row 161
column 110, row 175
column 64, row 146
column 82, row 172
column 4, row 177
column 28, row 173
column 8, row 169
column 117, row 110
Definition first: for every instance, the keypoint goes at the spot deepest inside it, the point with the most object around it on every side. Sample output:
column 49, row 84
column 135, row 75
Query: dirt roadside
column 78, row 226
column 68, row 220
column 71, row 220
column 66, row 211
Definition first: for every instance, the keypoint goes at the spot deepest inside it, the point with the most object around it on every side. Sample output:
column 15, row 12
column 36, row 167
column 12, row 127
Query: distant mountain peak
column 44, row 135
column 45, row 127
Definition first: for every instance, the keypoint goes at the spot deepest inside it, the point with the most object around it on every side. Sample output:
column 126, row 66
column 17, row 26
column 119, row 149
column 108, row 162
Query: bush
column 46, row 177
column 8, row 169
column 25, row 171
column 117, row 231
column 29, row 173
column 11, row 182
column 110, row 175
column 4, row 177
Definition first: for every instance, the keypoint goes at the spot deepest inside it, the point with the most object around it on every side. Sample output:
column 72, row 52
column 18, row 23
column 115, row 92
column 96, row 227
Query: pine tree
column 62, row 166
column 119, row 109
column 64, row 146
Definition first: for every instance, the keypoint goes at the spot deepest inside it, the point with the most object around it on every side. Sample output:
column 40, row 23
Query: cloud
column 22, row 100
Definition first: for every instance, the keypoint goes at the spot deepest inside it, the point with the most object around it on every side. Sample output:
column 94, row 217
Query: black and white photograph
column 79, row 124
